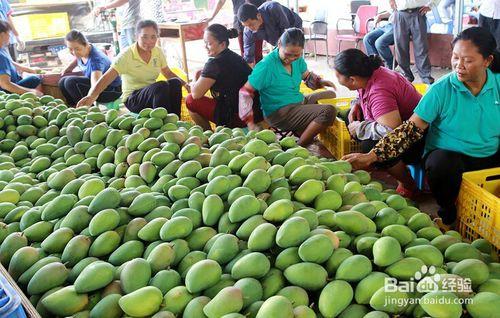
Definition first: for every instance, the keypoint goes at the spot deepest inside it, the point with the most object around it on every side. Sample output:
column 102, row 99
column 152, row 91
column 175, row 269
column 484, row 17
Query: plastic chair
column 319, row 32
column 355, row 4
column 364, row 15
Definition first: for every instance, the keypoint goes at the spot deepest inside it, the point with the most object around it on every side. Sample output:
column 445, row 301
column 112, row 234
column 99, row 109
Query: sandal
column 444, row 227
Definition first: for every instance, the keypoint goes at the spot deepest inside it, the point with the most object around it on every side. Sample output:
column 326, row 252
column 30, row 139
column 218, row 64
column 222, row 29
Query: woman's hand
column 328, row 84
column 360, row 160
column 355, row 113
column 86, row 101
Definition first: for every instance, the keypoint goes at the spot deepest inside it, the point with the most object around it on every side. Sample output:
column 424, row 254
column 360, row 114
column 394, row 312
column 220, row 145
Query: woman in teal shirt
column 277, row 78
column 461, row 113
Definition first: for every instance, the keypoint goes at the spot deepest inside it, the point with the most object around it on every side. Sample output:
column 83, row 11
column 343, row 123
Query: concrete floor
column 197, row 57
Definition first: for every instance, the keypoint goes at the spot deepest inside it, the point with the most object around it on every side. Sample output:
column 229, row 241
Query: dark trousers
column 75, row 88
column 31, row 81
column 167, row 94
column 412, row 24
column 444, row 170
column 258, row 47
column 492, row 25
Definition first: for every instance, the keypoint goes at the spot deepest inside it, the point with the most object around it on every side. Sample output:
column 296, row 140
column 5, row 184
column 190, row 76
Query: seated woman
column 385, row 100
column 224, row 74
column 277, row 78
column 10, row 81
column 139, row 66
column 461, row 113
column 93, row 63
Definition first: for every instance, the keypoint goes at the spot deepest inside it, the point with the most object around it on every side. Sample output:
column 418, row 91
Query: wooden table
column 185, row 31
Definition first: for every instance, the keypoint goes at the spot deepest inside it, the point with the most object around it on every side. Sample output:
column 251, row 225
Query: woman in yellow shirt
column 139, row 66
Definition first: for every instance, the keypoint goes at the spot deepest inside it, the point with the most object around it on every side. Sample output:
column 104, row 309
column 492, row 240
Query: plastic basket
column 337, row 138
column 478, row 206
column 421, row 88
column 10, row 301
column 342, row 104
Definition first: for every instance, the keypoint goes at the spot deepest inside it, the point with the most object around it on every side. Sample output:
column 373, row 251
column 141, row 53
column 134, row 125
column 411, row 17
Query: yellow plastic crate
column 43, row 26
column 421, row 88
column 478, row 206
column 337, row 138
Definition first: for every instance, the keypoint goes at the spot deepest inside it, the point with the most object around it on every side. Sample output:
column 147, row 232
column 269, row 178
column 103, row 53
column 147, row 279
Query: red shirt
column 387, row 91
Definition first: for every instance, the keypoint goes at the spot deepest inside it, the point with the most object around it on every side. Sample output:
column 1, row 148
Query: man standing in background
column 489, row 18
column 410, row 20
column 267, row 22
column 237, row 24
column 128, row 18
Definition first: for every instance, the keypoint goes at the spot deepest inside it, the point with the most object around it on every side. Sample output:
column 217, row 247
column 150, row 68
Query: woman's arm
column 391, row 119
column 94, row 77
column 314, row 81
column 218, row 6
column 392, row 145
column 111, row 5
column 22, row 68
column 100, row 86
column 201, row 87
column 71, row 66
column 249, row 88
column 6, row 84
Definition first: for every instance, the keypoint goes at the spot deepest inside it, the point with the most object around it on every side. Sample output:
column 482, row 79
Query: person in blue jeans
column 378, row 41
column 93, row 63
column 10, row 80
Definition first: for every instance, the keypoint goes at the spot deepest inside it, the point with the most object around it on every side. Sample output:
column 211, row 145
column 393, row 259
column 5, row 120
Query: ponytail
column 221, row 33
column 354, row 62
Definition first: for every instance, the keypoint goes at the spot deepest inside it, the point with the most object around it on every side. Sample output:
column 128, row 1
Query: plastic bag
column 245, row 106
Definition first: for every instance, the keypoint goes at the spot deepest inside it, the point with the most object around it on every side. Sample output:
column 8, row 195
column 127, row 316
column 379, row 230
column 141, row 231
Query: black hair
column 4, row 27
column 142, row 24
column 246, row 12
column 354, row 62
column 485, row 43
column 292, row 36
column 76, row 36
column 221, row 33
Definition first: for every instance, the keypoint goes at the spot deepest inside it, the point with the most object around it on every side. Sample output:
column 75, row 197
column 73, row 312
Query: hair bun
column 232, row 33
column 374, row 62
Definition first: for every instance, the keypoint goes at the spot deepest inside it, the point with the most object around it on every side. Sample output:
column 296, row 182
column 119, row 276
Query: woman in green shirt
column 277, row 78
column 461, row 114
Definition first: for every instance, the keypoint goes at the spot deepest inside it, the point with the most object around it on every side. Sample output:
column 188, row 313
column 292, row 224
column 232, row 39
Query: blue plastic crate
column 10, row 301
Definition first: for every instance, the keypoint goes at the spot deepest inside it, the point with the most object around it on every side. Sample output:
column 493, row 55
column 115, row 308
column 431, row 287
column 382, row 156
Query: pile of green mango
column 109, row 215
